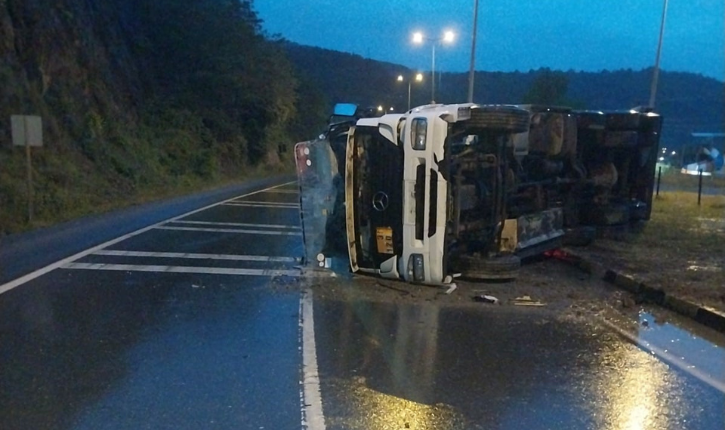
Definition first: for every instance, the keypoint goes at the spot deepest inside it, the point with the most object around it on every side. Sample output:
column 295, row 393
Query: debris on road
column 483, row 298
column 451, row 288
column 527, row 301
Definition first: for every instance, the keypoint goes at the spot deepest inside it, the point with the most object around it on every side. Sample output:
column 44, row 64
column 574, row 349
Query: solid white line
column 312, row 416
column 181, row 269
column 232, row 230
column 669, row 358
column 252, row 205
column 240, row 224
column 42, row 271
column 229, row 257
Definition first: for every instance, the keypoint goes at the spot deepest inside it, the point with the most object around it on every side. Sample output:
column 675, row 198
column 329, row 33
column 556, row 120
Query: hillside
column 689, row 102
column 141, row 99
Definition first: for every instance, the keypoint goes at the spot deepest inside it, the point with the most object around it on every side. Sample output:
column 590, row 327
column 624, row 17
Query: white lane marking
column 669, row 358
column 228, row 257
column 231, row 230
column 254, row 205
column 42, row 271
column 181, row 269
column 312, row 416
column 282, row 191
column 239, row 224
column 256, row 202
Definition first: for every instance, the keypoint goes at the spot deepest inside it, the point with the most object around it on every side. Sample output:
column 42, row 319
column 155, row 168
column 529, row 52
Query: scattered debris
column 195, row 286
column 695, row 268
column 483, row 298
column 451, row 288
column 527, row 301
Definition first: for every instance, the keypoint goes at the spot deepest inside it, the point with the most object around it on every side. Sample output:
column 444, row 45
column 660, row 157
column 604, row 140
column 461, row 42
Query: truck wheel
column 508, row 119
column 494, row 268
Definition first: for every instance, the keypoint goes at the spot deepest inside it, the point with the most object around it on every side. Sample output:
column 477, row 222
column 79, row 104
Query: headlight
column 419, row 131
column 416, row 270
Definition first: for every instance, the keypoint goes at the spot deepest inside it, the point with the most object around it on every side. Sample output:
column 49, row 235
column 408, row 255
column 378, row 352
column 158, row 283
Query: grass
column 58, row 203
column 689, row 182
column 681, row 249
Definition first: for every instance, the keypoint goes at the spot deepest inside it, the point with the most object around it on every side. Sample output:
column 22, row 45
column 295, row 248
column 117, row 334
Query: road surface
column 205, row 321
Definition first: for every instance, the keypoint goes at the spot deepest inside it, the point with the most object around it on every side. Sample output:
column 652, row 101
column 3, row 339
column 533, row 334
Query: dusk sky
column 513, row 34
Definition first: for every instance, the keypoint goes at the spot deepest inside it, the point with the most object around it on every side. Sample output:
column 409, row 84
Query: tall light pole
column 472, row 67
column 656, row 72
column 418, row 78
column 448, row 37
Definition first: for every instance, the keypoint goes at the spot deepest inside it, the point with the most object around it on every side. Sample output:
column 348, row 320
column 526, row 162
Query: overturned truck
column 470, row 189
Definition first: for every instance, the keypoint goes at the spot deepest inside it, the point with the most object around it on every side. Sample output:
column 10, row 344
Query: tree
column 548, row 88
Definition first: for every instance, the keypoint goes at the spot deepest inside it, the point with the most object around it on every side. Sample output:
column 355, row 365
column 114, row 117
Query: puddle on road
column 698, row 348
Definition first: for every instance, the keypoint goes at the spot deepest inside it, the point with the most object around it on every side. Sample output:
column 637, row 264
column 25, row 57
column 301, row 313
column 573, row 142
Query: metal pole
column 699, row 187
column 433, row 74
column 30, row 176
column 656, row 73
column 659, row 178
column 409, row 83
column 472, row 67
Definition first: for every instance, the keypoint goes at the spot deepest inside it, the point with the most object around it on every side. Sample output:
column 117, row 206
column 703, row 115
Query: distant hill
column 689, row 102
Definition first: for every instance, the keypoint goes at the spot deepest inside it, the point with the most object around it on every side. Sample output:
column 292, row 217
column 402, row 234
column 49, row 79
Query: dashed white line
column 282, row 191
column 255, row 202
column 180, row 269
column 196, row 256
column 256, row 205
column 231, row 230
column 42, row 271
column 312, row 415
column 239, row 224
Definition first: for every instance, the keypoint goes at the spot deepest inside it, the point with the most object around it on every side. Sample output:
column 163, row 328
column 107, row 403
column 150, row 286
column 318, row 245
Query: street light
column 472, row 66
column 447, row 37
column 418, row 78
column 656, row 71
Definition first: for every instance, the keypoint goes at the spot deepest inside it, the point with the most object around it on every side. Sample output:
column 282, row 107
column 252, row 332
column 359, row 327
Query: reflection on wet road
column 197, row 323
column 147, row 334
column 424, row 366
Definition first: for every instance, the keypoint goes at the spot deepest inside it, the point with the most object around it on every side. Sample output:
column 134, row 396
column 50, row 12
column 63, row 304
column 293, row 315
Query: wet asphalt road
column 187, row 326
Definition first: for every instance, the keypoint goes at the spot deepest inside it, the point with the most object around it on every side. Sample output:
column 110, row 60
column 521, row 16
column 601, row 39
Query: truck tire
column 505, row 267
column 507, row 119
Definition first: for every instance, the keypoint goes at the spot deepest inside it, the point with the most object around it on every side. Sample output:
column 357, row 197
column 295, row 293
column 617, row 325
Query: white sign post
column 27, row 131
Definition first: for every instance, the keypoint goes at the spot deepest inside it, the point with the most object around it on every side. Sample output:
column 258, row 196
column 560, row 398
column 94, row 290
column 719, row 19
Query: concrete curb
column 702, row 314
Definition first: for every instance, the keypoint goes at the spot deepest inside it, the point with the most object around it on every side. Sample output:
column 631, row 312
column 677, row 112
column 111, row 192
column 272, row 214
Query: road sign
column 27, row 130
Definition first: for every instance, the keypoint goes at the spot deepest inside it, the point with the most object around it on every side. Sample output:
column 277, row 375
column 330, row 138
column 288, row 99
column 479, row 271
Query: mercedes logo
column 380, row 201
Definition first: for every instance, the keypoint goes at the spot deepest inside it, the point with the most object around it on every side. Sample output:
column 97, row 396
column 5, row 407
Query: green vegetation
column 550, row 88
column 690, row 182
column 679, row 250
column 141, row 100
